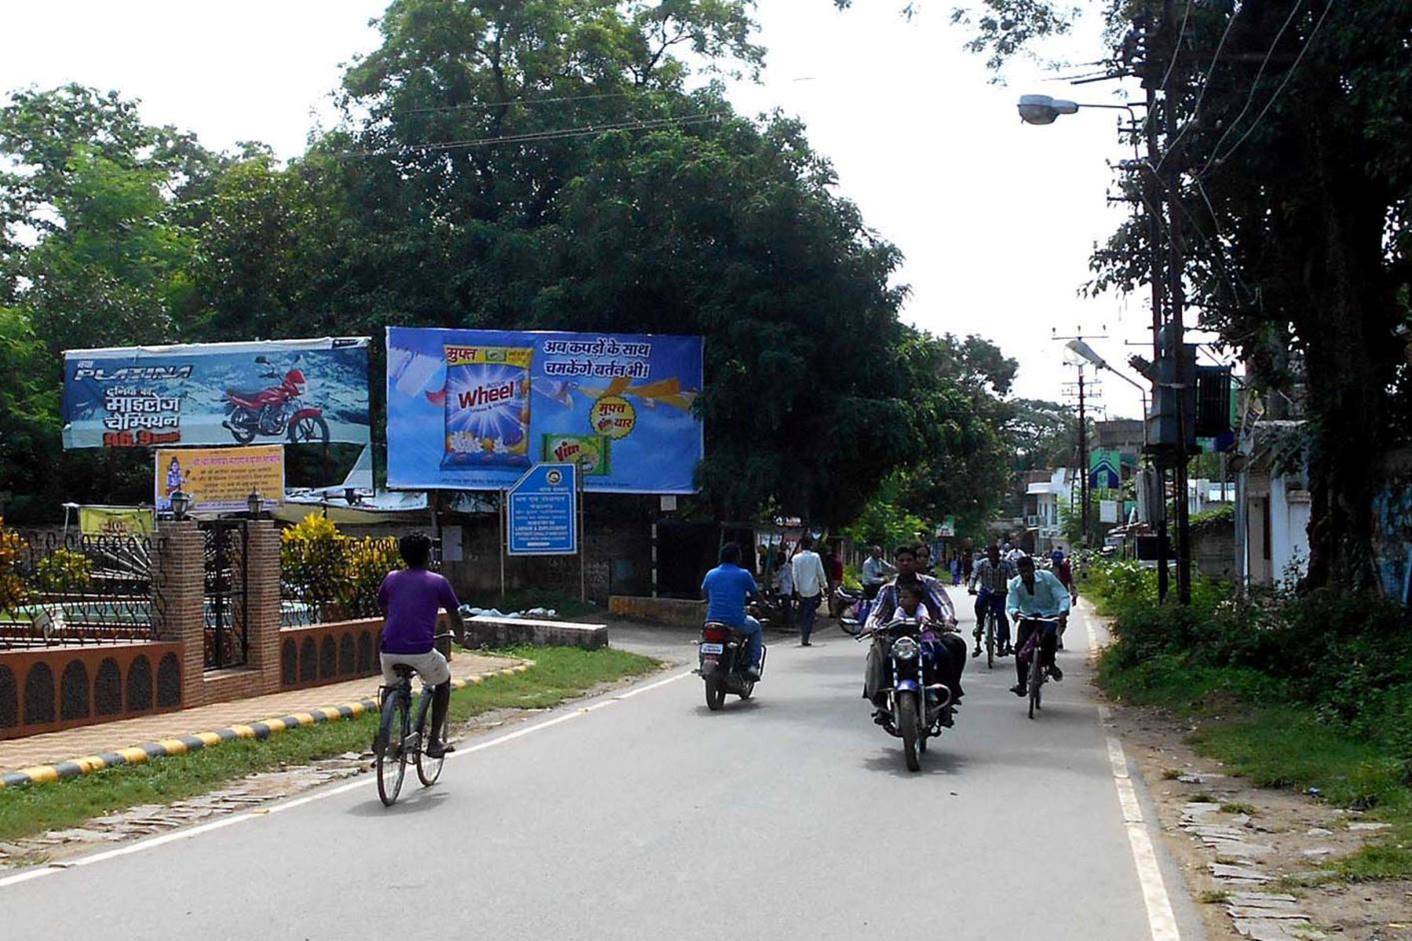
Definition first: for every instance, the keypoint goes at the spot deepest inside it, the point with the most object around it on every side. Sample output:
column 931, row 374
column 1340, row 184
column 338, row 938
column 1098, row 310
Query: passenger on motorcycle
column 876, row 569
column 1036, row 594
column 727, row 588
column 994, row 574
column 948, row 649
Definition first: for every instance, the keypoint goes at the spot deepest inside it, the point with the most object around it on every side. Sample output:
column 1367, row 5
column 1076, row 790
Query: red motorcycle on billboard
column 275, row 411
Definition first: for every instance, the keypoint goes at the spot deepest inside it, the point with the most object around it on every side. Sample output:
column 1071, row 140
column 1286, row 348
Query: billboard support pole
column 500, row 544
column 583, row 543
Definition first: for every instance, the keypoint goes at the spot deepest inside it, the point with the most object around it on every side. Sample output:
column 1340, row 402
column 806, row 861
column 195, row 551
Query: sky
column 996, row 218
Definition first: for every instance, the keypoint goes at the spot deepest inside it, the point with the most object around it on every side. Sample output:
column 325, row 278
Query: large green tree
column 1290, row 167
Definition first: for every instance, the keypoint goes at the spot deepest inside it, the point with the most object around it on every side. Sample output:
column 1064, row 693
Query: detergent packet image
column 590, row 452
column 487, row 406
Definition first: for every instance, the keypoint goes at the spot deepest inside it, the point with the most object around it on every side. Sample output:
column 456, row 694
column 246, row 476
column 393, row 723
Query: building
column 1272, row 508
column 1046, row 491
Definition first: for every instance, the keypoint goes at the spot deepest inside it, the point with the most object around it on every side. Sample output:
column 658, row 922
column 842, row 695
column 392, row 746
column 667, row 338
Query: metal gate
column 226, row 638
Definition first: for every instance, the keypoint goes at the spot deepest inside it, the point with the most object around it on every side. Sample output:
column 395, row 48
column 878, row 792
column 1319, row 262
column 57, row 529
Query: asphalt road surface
column 641, row 815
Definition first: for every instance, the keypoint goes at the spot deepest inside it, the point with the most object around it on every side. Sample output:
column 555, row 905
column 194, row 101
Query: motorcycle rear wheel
column 910, row 728
column 715, row 694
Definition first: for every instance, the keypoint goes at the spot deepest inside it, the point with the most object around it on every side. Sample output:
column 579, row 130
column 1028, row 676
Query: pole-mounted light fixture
column 181, row 503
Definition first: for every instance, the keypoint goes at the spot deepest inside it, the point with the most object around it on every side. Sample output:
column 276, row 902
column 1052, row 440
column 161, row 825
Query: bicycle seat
column 403, row 670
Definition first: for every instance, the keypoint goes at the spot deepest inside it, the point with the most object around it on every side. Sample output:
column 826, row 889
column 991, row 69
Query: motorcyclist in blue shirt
column 727, row 588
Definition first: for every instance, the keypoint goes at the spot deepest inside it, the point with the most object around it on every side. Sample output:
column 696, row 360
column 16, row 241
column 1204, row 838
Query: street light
column 1043, row 109
column 181, row 502
column 1087, row 352
column 253, row 503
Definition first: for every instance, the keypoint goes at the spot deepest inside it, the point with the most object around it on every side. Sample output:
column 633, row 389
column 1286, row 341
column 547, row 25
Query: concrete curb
column 149, row 751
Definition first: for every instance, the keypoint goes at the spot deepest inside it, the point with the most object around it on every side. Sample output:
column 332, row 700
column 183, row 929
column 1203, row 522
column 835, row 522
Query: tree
column 1293, row 163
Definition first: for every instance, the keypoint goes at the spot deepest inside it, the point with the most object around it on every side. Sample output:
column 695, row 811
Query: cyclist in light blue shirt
column 1035, row 594
column 727, row 589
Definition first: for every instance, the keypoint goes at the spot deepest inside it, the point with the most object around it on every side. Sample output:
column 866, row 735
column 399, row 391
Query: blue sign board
column 475, row 409
column 267, row 392
column 541, row 511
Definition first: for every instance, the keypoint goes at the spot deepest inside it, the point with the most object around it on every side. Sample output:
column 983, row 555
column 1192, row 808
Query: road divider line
column 361, row 781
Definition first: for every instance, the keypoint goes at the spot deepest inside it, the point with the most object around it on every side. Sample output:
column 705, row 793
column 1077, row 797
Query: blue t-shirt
column 726, row 588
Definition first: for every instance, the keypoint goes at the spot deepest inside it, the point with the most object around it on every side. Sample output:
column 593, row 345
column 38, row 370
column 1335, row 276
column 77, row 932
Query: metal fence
column 62, row 589
column 226, row 637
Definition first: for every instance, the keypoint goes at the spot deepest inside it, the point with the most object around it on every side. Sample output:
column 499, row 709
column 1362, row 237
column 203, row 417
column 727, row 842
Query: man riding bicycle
column 410, row 599
column 1035, row 594
column 994, row 574
column 727, row 588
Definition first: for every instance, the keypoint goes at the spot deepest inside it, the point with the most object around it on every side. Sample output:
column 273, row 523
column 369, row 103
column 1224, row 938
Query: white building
column 1045, row 492
column 1272, row 538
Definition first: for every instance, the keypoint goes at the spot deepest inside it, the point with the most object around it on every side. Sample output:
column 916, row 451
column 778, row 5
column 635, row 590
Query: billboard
column 115, row 521
column 220, row 480
column 295, row 391
column 475, row 409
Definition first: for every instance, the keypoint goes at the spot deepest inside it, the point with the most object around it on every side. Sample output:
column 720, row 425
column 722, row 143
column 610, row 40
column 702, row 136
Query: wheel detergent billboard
column 277, row 391
column 474, row 409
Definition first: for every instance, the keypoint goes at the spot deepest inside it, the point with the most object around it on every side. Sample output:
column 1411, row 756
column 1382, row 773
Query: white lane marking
column 1161, row 920
column 196, row 831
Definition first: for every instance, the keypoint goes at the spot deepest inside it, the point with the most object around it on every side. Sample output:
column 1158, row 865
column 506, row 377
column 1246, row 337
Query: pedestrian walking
column 810, row 580
column 784, row 585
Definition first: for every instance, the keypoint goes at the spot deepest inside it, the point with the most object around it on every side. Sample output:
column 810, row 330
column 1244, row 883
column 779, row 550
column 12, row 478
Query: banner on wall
column 115, row 521
column 220, row 480
column 475, row 409
column 292, row 391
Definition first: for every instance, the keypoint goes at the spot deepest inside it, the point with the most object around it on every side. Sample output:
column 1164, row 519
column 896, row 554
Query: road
column 641, row 814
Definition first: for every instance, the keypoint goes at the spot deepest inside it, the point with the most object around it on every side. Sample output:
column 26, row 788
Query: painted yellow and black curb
column 149, row 751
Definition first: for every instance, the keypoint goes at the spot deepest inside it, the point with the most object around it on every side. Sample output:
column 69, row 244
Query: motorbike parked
column 917, row 699
column 724, row 655
column 854, row 607
column 275, row 411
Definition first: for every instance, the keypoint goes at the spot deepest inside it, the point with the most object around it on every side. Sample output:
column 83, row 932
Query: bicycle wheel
column 990, row 640
column 428, row 768
column 392, row 760
column 1036, row 679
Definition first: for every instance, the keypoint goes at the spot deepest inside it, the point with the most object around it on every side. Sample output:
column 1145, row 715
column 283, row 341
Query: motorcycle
column 854, row 607
column 724, row 654
column 917, row 699
column 275, row 411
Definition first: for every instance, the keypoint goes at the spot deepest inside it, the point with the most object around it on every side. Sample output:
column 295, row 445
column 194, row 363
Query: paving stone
column 1216, row 833
column 1257, row 899
column 1263, row 929
column 1280, row 914
column 1318, row 831
column 1318, row 851
column 1243, row 873
column 1367, row 827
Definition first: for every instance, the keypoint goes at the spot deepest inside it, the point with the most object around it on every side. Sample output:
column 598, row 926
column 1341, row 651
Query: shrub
column 311, row 559
column 366, row 562
column 63, row 570
column 12, row 587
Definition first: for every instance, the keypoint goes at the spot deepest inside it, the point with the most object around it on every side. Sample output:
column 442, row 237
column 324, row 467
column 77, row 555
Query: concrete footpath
column 71, row 752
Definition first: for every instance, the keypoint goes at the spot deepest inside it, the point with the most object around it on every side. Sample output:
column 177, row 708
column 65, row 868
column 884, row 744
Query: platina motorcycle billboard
column 474, row 409
column 266, row 392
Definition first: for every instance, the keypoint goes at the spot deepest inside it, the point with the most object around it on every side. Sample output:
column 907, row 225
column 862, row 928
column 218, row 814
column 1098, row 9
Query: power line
column 1288, row 75
column 1254, row 83
column 1177, row 46
column 538, row 136
column 526, row 102
column 1200, row 96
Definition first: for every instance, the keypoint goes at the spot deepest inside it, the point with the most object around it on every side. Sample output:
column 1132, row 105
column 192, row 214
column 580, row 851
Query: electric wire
column 1200, row 95
column 540, row 136
column 1269, row 104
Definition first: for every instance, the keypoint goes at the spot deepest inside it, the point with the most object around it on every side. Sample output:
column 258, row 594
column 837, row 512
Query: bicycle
column 399, row 739
column 988, row 624
column 1037, row 674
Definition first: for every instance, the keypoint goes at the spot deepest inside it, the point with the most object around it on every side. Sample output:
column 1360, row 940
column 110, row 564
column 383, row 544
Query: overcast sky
column 996, row 219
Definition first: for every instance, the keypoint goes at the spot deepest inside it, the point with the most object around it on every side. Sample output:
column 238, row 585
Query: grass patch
column 1237, row 808
column 1213, row 897
column 559, row 673
column 1242, row 719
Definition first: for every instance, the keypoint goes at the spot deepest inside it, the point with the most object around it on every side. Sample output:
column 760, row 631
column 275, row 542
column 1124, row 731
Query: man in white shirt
column 809, row 583
column 876, row 570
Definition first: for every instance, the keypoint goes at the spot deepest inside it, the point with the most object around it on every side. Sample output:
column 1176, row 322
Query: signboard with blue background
column 267, row 392
column 541, row 512
column 475, row 409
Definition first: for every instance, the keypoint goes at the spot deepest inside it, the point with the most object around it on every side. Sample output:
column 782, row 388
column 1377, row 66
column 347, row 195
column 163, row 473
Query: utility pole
column 1175, row 302
column 1083, row 462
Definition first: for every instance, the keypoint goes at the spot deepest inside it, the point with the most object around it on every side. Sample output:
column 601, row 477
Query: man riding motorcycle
column 1035, row 594
column 727, row 589
column 994, row 574
column 948, row 649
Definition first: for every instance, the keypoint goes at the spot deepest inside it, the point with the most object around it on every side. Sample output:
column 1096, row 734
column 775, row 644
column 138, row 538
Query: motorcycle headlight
column 905, row 648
